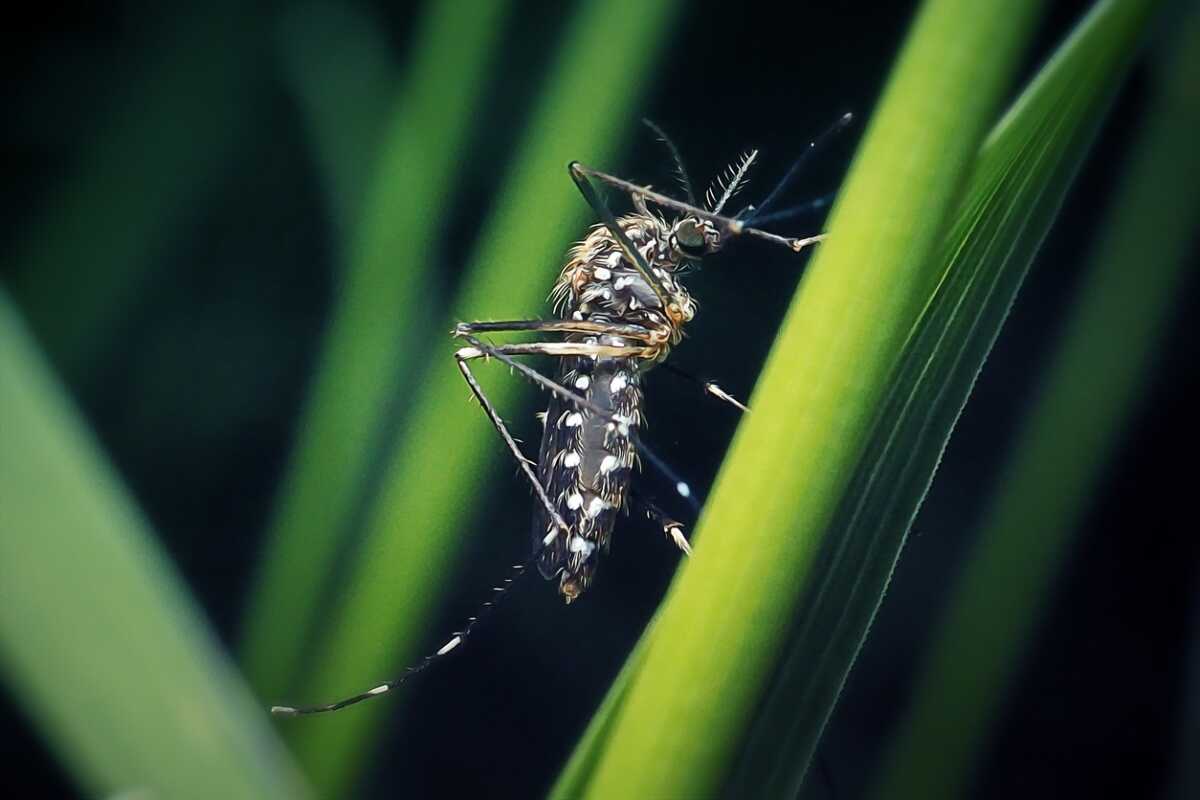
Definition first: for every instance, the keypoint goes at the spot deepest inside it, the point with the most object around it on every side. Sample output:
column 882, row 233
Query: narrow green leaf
column 99, row 641
column 581, row 766
column 425, row 506
column 381, row 305
column 1092, row 384
column 1021, row 175
column 726, row 617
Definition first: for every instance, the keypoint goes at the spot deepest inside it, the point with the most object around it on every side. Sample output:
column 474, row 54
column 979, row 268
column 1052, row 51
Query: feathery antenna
column 680, row 170
column 730, row 182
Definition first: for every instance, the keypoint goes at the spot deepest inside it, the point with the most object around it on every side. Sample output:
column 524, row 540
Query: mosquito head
column 693, row 238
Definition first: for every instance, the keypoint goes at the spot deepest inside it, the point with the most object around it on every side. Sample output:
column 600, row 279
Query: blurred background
column 180, row 189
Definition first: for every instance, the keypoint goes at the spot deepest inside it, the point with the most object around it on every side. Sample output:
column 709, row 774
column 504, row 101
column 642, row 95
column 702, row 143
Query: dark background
column 197, row 395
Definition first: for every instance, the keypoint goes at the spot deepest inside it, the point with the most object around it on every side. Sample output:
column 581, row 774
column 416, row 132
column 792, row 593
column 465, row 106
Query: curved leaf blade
column 1091, row 385
column 99, row 640
column 679, row 731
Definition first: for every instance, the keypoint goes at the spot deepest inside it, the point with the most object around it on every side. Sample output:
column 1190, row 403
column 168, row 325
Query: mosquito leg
column 671, row 527
column 579, row 174
column 524, row 463
column 464, row 329
column 498, row 591
column 557, row 349
column 729, row 226
column 456, row 640
column 505, row 353
column 636, row 332
column 710, row 387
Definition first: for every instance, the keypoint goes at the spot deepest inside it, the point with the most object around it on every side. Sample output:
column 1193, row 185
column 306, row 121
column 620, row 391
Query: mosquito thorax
column 599, row 283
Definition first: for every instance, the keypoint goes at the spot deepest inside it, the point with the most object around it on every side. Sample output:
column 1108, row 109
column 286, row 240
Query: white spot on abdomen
column 571, row 459
column 601, row 274
column 608, row 464
column 573, row 420
column 578, row 544
column 583, row 382
column 575, row 501
column 618, row 383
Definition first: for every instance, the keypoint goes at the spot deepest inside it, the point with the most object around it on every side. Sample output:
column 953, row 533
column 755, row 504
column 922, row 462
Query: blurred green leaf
column 138, row 178
column 381, row 308
column 428, row 499
column 816, row 411
column 1092, row 383
column 336, row 59
column 99, row 641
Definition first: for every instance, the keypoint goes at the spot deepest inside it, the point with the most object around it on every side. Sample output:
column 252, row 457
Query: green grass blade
column 1021, row 176
column 581, row 766
column 1091, row 386
column 99, row 641
column 425, row 506
column 726, row 617
column 380, row 309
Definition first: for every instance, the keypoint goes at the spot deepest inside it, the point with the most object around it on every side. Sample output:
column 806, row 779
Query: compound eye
column 689, row 236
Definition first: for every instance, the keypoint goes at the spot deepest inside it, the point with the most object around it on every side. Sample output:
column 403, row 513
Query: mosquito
column 620, row 308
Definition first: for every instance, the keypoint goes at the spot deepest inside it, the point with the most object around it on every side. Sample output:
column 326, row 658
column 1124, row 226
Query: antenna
column 812, row 147
column 680, row 170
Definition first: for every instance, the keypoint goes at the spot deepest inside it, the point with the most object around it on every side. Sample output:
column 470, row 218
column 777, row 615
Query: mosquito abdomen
column 585, row 464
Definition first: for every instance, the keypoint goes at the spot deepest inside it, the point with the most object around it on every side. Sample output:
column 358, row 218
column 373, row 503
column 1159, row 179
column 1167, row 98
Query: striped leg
column 505, row 353
column 670, row 526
